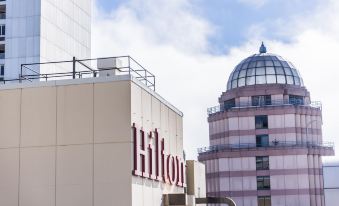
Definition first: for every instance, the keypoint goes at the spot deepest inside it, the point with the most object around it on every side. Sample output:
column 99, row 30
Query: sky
column 193, row 45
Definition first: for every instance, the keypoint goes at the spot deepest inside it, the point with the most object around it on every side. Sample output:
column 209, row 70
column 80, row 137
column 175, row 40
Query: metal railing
column 85, row 68
column 246, row 104
column 273, row 144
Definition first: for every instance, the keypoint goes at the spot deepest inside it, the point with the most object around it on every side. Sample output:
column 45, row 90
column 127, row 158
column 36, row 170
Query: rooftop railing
column 247, row 104
column 85, row 68
column 273, row 144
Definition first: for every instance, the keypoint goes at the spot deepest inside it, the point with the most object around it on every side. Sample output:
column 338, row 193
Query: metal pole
column 74, row 61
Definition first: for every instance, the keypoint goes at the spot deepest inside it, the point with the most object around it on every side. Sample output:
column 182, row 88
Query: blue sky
column 193, row 45
column 233, row 19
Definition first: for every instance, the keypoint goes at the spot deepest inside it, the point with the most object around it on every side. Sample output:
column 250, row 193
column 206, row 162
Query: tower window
column 262, row 140
column 2, row 70
column 263, row 183
column 264, row 201
column 296, row 100
column 261, row 122
column 229, row 104
column 261, row 100
column 262, row 163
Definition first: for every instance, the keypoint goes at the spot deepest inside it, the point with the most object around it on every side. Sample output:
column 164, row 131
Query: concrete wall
column 69, row 143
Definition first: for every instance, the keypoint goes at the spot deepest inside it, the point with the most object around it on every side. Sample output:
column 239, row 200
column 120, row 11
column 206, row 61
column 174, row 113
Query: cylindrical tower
column 265, row 137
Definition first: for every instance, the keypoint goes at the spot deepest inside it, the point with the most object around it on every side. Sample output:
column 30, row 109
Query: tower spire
column 262, row 48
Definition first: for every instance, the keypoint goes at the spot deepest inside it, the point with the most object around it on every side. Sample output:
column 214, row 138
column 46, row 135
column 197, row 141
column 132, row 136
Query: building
column 95, row 137
column 40, row 31
column 265, row 137
column 331, row 183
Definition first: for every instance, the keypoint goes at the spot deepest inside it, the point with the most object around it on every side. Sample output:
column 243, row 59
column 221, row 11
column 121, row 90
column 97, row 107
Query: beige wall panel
column 75, row 114
column 37, row 176
column 289, row 120
column 74, row 175
column 304, row 200
column 235, row 164
column 136, row 107
column 278, row 200
column 111, row 163
column 179, row 134
column 249, row 183
column 244, row 123
column 38, row 117
column 291, row 181
column 303, row 182
column 146, row 102
column 9, row 176
column 112, row 109
column 172, row 141
column 164, row 128
column 292, row 200
column 223, row 164
column 233, row 123
column 239, row 201
column 277, row 182
column 10, row 118
column 250, row 201
column 155, row 113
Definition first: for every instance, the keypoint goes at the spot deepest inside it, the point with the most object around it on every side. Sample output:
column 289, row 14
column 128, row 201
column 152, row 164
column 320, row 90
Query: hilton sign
column 152, row 162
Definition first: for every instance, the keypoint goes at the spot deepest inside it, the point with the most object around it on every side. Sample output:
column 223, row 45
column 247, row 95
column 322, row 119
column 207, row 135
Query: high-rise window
column 261, row 100
column 264, row 201
column 296, row 100
column 229, row 104
column 262, row 163
column 262, row 140
column 2, row 69
column 263, row 183
column 261, row 122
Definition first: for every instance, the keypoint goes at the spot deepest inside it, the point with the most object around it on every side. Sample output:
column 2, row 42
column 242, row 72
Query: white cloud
column 254, row 3
column 169, row 39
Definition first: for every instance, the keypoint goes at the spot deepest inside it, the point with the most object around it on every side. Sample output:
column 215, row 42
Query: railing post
column 74, row 61
column 20, row 74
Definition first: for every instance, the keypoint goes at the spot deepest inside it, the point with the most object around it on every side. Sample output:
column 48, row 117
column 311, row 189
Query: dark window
column 2, row 70
column 296, row 100
column 264, row 201
column 261, row 122
column 263, row 183
column 262, row 140
column 262, row 163
column 2, row 30
column 261, row 100
column 229, row 104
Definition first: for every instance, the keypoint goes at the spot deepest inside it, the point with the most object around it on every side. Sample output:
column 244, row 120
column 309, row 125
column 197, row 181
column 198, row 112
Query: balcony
column 271, row 145
column 272, row 103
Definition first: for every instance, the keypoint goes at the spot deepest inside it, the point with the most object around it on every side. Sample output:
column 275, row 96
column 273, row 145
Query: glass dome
column 264, row 68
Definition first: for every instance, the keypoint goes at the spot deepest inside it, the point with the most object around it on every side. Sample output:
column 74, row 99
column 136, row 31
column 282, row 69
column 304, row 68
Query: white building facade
column 331, row 183
column 42, row 30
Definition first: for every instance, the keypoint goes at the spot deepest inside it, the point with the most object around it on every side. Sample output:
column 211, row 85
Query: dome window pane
column 288, row 71
column 229, row 85
column 296, row 81
column 234, row 83
column 285, row 64
column 279, row 70
column 250, row 72
column 260, row 71
column 260, row 79
column 260, row 63
column 294, row 72
column 289, row 80
column 270, row 70
column 235, row 75
column 244, row 66
column 251, row 65
column 267, row 58
column 271, row 79
column 241, row 82
column 276, row 63
column 242, row 73
column 281, row 79
column 269, row 63
column 250, row 80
